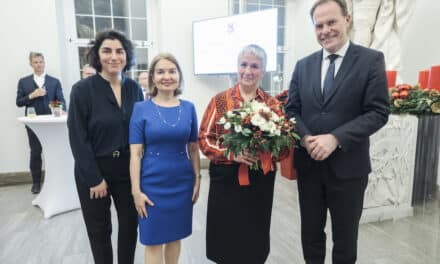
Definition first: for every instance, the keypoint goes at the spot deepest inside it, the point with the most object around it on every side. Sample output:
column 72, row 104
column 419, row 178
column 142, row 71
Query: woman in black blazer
column 99, row 114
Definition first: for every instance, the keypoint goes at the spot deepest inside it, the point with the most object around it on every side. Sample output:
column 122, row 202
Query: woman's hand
column 99, row 191
column 246, row 158
column 196, row 190
column 140, row 199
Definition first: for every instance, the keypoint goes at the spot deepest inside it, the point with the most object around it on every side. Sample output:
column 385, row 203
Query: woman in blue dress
column 165, row 163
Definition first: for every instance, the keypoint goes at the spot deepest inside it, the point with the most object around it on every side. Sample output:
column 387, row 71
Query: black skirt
column 238, row 221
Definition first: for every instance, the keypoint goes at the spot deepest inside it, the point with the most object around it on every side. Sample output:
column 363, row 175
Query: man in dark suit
column 37, row 90
column 338, row 97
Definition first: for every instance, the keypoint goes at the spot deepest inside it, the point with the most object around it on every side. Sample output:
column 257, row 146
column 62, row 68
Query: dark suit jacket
column 27, row 85
column 357, row 106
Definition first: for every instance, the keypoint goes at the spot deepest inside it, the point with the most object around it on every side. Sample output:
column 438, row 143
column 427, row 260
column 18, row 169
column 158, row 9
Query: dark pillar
column 427, row 157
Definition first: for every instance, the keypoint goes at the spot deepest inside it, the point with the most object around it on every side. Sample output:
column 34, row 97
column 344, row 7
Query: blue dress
column 167, row 176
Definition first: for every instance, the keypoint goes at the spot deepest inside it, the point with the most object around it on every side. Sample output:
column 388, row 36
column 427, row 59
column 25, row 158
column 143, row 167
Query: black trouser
column 35, row 162
column 320, row 190
column 96, row 213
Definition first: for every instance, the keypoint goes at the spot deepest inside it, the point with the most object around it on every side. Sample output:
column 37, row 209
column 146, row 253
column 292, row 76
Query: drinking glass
column 31, row 112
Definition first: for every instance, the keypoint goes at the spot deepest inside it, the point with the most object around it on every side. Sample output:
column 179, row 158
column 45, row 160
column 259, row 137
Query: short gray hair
column 255, row 50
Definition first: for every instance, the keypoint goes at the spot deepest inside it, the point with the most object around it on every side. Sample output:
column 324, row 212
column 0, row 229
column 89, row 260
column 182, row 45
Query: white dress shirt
column 326, row 61
column 39, row 80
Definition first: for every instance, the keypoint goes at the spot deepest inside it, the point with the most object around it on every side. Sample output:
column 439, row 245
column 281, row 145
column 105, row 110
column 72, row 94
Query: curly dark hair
column 93, row 54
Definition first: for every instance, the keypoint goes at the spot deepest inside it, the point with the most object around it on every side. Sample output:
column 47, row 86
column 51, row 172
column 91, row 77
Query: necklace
column 164, row 120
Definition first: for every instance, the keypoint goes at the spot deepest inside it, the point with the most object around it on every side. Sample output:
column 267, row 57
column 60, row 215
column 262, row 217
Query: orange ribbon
column 266, row 166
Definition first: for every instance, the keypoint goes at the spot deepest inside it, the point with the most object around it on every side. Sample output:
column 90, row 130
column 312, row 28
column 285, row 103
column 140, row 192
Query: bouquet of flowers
column 260, row 129
column 405, row 98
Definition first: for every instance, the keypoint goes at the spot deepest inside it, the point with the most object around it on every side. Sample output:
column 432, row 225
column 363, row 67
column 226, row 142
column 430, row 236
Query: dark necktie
column 329, row 76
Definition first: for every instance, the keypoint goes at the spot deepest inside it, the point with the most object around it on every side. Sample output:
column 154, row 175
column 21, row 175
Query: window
column 272, row 82
column 128, row 16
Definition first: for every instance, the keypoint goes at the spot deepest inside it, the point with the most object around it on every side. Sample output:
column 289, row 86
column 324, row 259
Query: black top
column 97, row 125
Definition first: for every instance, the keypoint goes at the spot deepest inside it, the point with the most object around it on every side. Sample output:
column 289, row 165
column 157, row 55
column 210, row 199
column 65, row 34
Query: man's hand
column 38, row 93
column 321, row 146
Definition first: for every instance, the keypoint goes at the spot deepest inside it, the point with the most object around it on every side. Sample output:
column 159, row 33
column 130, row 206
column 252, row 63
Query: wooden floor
column 27, row 238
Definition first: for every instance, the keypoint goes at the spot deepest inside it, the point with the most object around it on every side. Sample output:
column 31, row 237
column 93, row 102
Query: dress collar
column 261, row 96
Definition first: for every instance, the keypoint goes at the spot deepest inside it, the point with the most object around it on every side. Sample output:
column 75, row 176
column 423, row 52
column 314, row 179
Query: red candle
column 434, row 78
column 423, row 78
column 391, row 77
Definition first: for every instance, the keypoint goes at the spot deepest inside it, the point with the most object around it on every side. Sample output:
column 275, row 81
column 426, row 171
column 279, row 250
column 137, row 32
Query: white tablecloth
column 58, row 193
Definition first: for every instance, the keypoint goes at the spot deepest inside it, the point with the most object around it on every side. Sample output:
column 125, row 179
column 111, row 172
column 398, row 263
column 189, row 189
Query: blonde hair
column 163, row 56
column 34, row 54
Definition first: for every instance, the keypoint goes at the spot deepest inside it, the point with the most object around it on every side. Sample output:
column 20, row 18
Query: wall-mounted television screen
column 218, row 41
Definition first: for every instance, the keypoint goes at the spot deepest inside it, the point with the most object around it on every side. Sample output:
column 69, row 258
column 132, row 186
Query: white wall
column 420, row 40
column 175, row 21
column 26, row 26
column 300, row 38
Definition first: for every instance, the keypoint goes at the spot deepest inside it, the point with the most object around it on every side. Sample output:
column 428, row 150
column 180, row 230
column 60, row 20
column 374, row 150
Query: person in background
column 87, row 71
column 165, row 163
column 339, row 97
column 99, row 115
column 38, row 90
column 239, row 217
column 143, row 81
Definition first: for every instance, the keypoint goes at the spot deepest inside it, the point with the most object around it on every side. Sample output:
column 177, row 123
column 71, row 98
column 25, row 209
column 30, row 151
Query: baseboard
column 389, row 212
column 24, row 177
column 15, row 178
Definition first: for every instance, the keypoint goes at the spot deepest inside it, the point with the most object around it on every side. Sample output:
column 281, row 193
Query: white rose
column 258, row 121
column 292, row 120
column 227, row 125
column 229, row 114
column 265, row 126
column 275, row 117
column 265, row 109
column 221, row 121
column 257, row 106
column 272, row 127
column 238, row 128
column 243, row 115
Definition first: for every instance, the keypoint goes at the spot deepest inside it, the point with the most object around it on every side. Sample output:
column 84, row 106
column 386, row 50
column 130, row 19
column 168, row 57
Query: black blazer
column 356, row 107
column 27, row 85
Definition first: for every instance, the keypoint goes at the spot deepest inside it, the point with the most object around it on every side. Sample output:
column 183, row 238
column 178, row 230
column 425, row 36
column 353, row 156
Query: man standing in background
column 143, row 82
column 87, row 71
column 37, row 90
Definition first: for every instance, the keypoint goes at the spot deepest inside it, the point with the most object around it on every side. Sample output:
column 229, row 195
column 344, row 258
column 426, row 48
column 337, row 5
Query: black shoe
column 36, row 187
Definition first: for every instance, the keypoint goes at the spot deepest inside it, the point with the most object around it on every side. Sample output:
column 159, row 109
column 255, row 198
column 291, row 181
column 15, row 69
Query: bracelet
column 198, row 176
